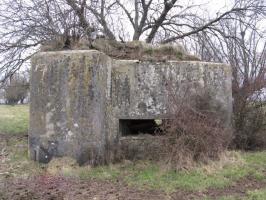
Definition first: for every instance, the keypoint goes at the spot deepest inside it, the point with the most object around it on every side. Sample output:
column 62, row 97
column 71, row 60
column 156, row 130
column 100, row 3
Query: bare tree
column 240, row 42
column 169, row 18
column 25, row 24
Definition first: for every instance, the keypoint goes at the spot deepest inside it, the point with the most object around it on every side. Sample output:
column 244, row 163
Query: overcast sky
column 208, row 7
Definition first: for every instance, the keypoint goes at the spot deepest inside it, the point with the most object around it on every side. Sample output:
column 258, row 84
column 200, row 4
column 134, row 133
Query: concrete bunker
column 93, row 108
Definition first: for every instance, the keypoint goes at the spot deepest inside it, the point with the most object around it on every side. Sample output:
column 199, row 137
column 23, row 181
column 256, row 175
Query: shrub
column 16, row 90
column 194, row 132
column 250, row 126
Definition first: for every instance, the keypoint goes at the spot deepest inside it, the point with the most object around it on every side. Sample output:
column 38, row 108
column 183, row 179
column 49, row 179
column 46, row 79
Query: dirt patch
column 52, row 187
column 63, row 188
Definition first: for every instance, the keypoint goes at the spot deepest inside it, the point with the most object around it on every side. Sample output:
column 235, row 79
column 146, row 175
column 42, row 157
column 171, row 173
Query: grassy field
column 238, row 175
column 14, row 119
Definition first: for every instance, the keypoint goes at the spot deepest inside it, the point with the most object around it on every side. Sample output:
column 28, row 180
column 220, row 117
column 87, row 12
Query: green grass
column 228, row 198
column 169, row 180
column 149, row 175
column 256, row 194
column 14, row 119
column 257, row 159
column 250, row 195
column 102, row 173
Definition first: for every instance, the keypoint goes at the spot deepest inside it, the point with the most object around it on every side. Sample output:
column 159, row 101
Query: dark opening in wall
column 129, row 127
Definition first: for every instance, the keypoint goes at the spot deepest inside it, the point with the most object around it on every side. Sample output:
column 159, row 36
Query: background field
column 14, row 119
column 238, row 175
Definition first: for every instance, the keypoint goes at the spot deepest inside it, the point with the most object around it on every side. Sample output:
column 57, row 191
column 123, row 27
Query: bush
column 194, row 132
column 16, row 90
column 250, row 127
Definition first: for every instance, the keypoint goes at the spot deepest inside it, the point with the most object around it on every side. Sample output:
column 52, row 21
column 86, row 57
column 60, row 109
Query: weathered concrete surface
column 142, row 147
column 140, row 90
column 68, row 105
column 78, row 97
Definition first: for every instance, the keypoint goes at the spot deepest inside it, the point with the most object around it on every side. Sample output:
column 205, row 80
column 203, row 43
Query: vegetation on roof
column 135, row 50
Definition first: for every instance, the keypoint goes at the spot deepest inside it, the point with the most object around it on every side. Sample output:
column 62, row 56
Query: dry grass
column 227, row 158
column 130, row 50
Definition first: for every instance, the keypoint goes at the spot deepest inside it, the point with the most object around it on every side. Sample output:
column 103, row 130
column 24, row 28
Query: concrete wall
column 78, row 97
column 68, row 105
column 140, row 90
